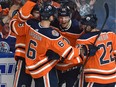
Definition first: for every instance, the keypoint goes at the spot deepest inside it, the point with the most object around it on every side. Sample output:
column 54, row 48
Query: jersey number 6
column 31, row 53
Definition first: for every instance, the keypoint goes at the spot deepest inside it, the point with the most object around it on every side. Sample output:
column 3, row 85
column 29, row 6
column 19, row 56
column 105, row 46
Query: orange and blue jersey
column 23, row 15
column 71, row 34
column 38, row 41
column 100, row 68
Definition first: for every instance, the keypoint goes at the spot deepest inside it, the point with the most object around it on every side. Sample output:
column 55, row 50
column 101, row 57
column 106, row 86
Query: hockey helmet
column 47, row 11
column 90, row 20
column 64, row 11
column 36, row 8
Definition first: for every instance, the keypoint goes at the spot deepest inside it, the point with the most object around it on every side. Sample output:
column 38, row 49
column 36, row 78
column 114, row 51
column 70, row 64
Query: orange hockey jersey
column 22, row 16
column 71, row 35
column 20, row 47
column 100, row 68
column 38, row 41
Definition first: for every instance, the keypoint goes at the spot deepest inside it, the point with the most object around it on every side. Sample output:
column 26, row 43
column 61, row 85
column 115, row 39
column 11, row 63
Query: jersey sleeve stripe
column 70, row 54
column 20, row 45
column 78, row 59
column 13, row 27
column 66, row 51
column 20, row 50
column 21, row 16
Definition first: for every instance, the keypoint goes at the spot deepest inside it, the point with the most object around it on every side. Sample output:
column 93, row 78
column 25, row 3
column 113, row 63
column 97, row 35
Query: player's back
column 102, row 65
column 40, row 40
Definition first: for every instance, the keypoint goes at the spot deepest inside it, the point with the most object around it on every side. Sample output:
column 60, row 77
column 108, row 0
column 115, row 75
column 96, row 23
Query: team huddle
column 52, row 47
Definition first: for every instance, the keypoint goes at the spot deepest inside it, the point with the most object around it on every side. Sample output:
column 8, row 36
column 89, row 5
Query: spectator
column 85, row 8
column 15, row 6
column 50, row 2
column 4, row 9
column 7, row 38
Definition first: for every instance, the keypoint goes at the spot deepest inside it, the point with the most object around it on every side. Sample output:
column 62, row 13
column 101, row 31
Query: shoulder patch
column 55, row 33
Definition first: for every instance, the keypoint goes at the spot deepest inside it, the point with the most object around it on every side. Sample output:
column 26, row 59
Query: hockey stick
column 107, row 15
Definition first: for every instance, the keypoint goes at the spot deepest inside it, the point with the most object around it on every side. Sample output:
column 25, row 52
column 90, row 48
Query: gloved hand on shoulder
column 89, row 50
column 92, row 50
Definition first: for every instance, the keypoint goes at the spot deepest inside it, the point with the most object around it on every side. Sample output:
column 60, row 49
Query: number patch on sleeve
column 60, row 43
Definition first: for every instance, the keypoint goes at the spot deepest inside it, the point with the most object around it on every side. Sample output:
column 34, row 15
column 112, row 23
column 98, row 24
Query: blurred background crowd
column 83, row 6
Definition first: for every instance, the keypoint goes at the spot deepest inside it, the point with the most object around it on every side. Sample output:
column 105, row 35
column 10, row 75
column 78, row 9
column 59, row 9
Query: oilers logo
column 55, row 33
column 4, row 47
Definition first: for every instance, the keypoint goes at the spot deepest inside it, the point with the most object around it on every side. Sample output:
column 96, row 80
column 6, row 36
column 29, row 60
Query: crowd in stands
column 82, row 8
column 70, row 20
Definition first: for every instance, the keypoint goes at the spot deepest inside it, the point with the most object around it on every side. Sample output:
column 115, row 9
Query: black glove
column 52, row 55
column 92, row 50
column 34, row 1
column 89, row 50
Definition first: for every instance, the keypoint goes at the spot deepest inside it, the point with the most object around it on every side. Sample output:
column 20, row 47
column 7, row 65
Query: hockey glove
column 89, row 50
column 52, row 55
column 84, row 50
column 92, row 50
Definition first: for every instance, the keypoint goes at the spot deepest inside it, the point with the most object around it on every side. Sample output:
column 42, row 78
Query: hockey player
column 40, row 38
column 69, row 28
column 100, row 69
column 21, row 77
column 6, row 37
